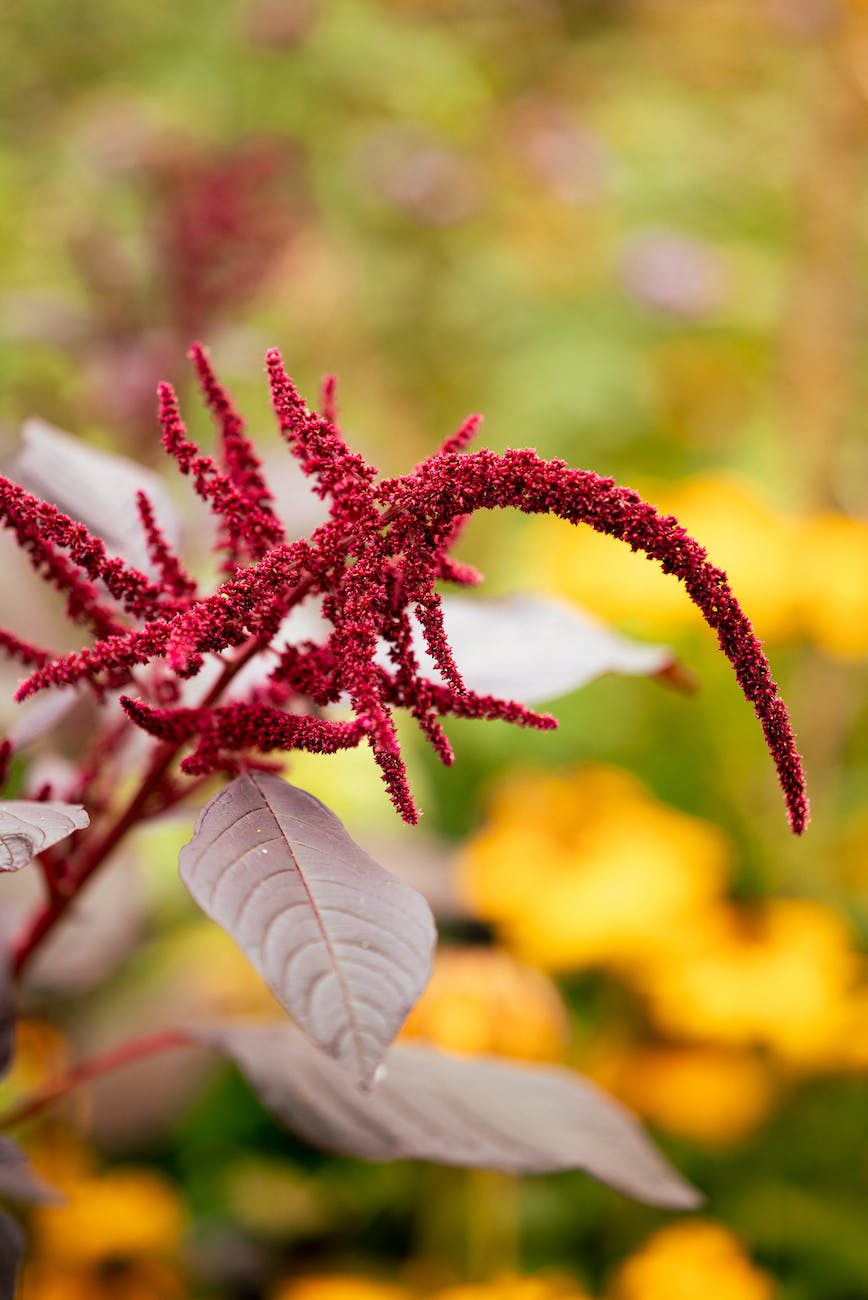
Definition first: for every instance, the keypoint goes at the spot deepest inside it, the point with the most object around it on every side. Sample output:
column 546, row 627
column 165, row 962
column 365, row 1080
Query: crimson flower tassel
column 449, row 486
column 373, row 565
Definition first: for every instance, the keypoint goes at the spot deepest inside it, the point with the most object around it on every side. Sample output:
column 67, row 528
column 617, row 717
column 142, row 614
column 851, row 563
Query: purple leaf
column 28, row 827
column 98, row 488
column 18, row 1182
column 454, row 1110
column 7, row 1016
column 532, row 648
column 11, row 1251
column 43, row 715
column 344, row 945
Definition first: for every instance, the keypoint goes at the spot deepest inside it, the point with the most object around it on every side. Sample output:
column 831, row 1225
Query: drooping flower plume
column 375, row 565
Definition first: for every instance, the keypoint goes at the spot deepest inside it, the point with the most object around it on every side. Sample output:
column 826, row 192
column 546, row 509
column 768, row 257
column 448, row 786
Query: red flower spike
column 377, row 559
column 429, row 611
column 174, row 577
column 106, row 663
column 485, row 707
column 409, row 690
column 307, row 670
column 463, row 575
column 359, row 617
column 420, row 551
column 240, row 463
column 24, row 651
column 5, row 761
column 41, row 529
column 242, row 725
column 463, row 435
column 450, row 485
column 342, row 474
column 247, row 603
column 241, row 515
column 328, row 404
column 448, row 569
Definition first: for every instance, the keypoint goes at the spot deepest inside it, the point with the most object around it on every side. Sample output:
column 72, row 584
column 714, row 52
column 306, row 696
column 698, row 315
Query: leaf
column 467, row 1111
column 7, row 1015
column 11, row 1251
column 98, row 488
column 28, row 827
column 344, row 945
column 18, row 1182
column 532, row 648
column 42, row 715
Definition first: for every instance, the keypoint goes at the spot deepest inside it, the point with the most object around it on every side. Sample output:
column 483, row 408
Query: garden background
column 631, row 232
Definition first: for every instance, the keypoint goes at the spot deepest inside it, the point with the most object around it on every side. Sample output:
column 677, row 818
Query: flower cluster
column 374, row 565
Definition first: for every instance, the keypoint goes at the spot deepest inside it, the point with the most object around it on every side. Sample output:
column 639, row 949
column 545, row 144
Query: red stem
column 116, row 1057
column 96, row 852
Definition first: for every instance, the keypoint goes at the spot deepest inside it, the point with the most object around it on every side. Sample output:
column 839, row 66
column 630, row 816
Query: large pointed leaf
column 28, row 827
column 11, row 1252
column 532, row 648
column 7, row 1016
column 96, row 487
column 18, row 1182
column 455, row 1110
column 41, row 715
column 344, row 945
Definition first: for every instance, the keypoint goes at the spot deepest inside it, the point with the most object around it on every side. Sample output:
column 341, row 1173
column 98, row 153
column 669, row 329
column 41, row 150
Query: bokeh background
column 631, row 232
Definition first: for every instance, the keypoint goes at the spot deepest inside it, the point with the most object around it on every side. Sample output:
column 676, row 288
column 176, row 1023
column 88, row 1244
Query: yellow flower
column 589, row 869
column 741, row 532
column 777, row 976
column 40, row 1053
column 690, row 1260
column 144, row 1280
column 850, row 1050
column 124, row 1213
column 795, row 577
column 517, row 1288
column 833, row 559
column 340, row 1288
column 708, row 1095
column 482, row 1000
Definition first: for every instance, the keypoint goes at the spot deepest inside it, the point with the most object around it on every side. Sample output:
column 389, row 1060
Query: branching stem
column 113, row 1059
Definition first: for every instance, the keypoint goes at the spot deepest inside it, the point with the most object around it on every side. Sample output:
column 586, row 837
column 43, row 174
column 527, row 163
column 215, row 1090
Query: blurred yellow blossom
column 40, row 1052
column 335, row 1287
column 517, row 1288
column 482, row 1000
column 273, row 1199
column 795, row 577
column 778, row 976
column 121, row 1213
column 589, row 869
column 689, row 1260
column 833, row 559
column 742, row 533
column 850, row 1050
column 706, row 1094
column 142, row 1280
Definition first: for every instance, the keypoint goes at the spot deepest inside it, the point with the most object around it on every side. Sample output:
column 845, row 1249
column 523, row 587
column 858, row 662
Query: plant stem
column 95, row 854
column 116, row 1057
column 57, row 904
